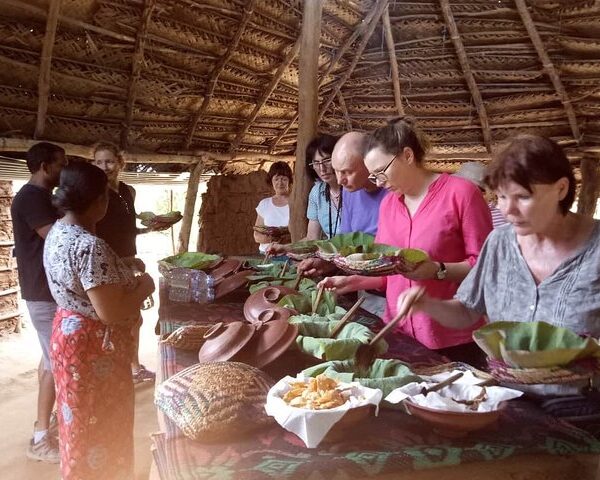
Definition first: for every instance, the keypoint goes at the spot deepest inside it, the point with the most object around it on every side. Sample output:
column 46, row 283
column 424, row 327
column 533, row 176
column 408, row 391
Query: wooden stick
column 442, row 384
column 318, row 299
column 298, row 280
column 284, row 268
column 346, row 318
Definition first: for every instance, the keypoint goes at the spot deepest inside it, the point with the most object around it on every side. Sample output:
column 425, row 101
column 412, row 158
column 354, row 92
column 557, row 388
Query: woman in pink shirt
column 444, row 215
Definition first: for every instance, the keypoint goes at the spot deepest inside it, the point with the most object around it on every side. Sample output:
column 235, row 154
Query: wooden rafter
column 370, row 28
column 347, row 119
column 45, row 67
column 391, row 47
column 216, row 71
column 548, row 66
column 332, row 64
column 289, row 58
column 136, row 70
column 466, row 68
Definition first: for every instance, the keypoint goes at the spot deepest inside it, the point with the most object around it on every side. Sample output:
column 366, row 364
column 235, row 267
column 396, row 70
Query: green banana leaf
column 313, row 338
column 387, row 375
column 346, row 243
column 303, row 301
column 534, row 344
column 306, row 284
column 194, row 260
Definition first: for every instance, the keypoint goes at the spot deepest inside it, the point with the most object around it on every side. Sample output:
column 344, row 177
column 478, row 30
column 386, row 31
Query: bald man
column 360, row 197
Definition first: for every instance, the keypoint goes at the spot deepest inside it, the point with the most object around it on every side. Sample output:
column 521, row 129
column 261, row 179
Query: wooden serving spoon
column 346, row 318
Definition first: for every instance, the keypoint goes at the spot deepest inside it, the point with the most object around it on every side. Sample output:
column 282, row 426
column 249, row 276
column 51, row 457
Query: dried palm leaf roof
column 221, row 76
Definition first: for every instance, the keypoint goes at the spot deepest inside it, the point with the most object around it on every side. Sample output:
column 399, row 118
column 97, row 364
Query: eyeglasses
column 381, row 177
column 324, row 164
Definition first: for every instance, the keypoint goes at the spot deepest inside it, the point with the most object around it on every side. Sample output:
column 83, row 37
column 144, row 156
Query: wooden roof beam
column 136, row 70
column 216, row 72
column 548, row 67
column 347, row 119
column 391, row 47
column 289, row 58
column 46, row 66
column 466, row 68
column 377, row 12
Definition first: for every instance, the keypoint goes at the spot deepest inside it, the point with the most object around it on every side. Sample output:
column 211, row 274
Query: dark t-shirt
column 118, row 227
column 32, row 208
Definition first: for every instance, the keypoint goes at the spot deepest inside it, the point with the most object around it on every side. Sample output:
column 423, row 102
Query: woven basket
column 383, row 265
column 187, row 337
column 574, row 372
column 216, row 401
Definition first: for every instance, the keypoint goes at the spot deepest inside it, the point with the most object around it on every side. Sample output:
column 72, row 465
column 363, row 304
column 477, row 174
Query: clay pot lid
column 228, row 266
column 231, row 283
column 223, row 341
column 265, row 299
column 270, row 341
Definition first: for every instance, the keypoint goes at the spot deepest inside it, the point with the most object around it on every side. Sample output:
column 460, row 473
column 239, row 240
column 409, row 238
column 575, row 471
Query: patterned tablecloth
column 384, row 446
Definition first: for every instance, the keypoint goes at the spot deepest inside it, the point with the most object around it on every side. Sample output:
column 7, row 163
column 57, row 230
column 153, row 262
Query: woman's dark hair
column 279, row 168
column 322, row 144
column 399, row 133
column 530, row 159
column 81, row 183
column 43, row 152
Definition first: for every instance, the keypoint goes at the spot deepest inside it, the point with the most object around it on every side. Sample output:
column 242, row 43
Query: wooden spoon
column 444, row 383
column 298, row 280
column 346, row 318
column 284, row 268
column 318, row 299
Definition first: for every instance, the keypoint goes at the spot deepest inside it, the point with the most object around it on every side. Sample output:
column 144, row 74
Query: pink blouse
column 451, row 225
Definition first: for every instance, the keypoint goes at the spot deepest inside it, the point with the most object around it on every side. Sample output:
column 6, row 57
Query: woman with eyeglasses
column 324, row 211
column 442, row 214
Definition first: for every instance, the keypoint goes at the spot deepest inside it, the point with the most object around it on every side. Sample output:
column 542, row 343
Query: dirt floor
column 19, row 358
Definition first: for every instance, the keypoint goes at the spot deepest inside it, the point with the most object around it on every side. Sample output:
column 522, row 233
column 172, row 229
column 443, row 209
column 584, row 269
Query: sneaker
column 53, row 427
column 142, row 375
column 46, row 450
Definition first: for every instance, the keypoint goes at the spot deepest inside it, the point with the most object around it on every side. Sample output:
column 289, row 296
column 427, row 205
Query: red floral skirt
column 94, row 397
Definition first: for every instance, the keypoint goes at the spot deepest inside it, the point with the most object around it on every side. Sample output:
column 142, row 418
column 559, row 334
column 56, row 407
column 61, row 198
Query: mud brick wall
column 228, row 213
column 10, row 318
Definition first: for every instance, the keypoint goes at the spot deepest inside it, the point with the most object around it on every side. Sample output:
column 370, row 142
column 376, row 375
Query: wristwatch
column 442, row 272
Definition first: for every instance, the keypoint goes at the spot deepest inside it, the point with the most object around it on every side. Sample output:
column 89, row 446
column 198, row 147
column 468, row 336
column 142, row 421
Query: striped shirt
column 497, row 218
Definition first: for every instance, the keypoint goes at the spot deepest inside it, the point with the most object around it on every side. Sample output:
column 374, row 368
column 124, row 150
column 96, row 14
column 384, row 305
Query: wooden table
column 526, row 444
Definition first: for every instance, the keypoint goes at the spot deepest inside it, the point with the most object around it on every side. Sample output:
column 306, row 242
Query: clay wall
column 10, row 318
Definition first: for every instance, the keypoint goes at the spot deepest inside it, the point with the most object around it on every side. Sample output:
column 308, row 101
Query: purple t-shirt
column 360, row 210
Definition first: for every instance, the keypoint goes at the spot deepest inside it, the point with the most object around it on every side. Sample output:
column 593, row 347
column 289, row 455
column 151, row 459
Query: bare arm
column 261, row 237
column 314, row 231
column 43, row 231
column 427, row 270
column 114, row 304
column 346, row 284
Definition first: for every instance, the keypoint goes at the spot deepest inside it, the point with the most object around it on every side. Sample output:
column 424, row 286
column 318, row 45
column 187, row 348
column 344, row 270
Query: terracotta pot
column 270, row 341
column 262, row 306
column 223, row 341
column 231, row 283
column 227, row 267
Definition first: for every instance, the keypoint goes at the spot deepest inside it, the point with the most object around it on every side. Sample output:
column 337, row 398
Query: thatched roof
column 221, row 76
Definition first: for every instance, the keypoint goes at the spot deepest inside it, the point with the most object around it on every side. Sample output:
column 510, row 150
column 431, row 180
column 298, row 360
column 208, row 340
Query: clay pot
column 227, row 267
column 270, row 341
column 262, row 306
column 223, row 341
column 231, row 283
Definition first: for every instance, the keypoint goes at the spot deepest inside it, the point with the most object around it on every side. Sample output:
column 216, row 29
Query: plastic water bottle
column 202, row 287
column 180, row 285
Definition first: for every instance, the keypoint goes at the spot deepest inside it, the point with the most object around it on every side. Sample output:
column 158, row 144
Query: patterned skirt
column 94, row 397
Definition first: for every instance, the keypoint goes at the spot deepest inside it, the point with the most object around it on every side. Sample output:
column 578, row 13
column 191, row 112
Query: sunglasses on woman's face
column 323, row 164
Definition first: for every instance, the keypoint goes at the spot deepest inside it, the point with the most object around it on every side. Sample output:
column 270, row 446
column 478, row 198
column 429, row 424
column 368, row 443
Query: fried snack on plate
column 318, row 393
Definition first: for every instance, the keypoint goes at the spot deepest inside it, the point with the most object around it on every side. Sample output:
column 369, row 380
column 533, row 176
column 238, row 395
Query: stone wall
column 228, row 213
column 10, row 318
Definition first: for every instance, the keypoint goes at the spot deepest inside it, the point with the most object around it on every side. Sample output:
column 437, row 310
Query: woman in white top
column 274, row 211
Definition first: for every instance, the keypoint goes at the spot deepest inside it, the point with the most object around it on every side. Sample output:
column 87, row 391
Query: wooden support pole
column 391, row 47
column 466, row 68
column 289, row 58
column 46, row 66
column 548, row 67
column 216, row 72
column 378, row 11
column 590, row 185
column 308, row 107
column 189, row 208
column 136, row 70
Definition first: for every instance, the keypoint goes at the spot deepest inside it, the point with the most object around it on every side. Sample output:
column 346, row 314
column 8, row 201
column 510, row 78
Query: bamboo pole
column 347, row 119
column 308, row 105
column 548, row 67
column 46, row 66
column 189, row 208
column 289, row 58
column 136, row 70
column 216, row 72
column 391, row 47
column 466, row 68
column 590, row 185
column 378, row 11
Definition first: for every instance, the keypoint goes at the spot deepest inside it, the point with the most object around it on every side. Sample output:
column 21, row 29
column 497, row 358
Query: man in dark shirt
column 33, row 215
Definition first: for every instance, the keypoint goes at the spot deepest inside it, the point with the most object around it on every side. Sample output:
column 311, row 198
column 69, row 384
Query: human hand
column 159, row 227
column 426, row 270
column 137, row 265
column 275, row 249
column 315, row 267
column 415, row 296
column 146, row 284
column 340, row 284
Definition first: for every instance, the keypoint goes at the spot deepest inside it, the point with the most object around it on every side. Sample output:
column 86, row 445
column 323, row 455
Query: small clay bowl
column 266, row 299
column 223, row 341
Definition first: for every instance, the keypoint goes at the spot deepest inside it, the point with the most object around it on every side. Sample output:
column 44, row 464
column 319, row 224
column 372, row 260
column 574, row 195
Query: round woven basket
column 576, row 371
